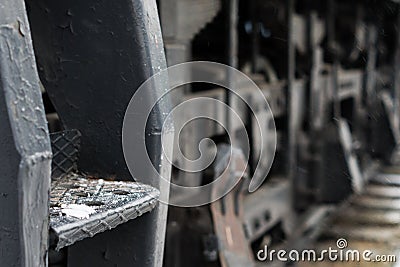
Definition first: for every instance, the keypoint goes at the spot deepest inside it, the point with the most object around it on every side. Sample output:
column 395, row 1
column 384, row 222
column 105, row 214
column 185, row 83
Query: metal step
column 81, row 207
column 387, row 179
column 369, row 221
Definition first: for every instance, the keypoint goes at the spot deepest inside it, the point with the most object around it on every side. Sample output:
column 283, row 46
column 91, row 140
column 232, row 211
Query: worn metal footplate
column 81, row 207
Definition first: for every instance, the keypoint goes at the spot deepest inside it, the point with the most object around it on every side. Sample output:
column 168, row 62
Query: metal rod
column 291, row 131
column 233, row 7
column 254, row 36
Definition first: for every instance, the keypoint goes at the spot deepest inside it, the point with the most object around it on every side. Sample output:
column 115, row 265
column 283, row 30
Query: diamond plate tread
column 81, row 207
column 65, row 147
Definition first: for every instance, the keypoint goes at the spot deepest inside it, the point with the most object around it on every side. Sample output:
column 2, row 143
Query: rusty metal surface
column 228, row 212
column 265, row 208
column 81, row 207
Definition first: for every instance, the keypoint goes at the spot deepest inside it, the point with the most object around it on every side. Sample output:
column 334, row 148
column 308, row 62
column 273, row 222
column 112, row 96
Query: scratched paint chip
column 82, row 207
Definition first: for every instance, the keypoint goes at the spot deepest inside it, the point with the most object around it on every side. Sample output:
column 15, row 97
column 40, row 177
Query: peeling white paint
column 79, row 211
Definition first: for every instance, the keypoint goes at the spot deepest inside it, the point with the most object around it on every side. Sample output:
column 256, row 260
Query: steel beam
column 25, row 152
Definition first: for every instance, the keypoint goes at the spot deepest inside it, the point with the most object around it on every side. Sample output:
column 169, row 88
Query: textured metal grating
column 65, row 147
column 82, row 207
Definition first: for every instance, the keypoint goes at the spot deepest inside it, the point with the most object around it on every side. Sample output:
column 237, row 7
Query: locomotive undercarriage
column 328, row 69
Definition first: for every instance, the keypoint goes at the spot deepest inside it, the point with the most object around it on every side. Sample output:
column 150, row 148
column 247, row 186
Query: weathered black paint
column 92, row 56
column 24, row 145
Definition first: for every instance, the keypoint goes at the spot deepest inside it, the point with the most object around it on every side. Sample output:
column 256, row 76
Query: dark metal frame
column 92, row 56
column 24, row 147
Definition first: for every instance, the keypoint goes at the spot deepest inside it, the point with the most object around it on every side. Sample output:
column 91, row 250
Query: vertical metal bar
column 370, row 93
column 233, row 33
column 333, row 49
column 25, row 151
column 254, row 35
column 396, row 79
column 291, row 131
column 358, row 98
column 233, row 7
column 317, row 96
column 369, row 96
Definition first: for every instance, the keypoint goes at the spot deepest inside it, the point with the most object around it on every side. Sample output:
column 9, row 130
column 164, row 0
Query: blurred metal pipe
column 233, row 40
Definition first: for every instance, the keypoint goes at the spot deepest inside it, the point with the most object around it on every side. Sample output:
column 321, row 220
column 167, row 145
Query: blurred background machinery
column 330, row 71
